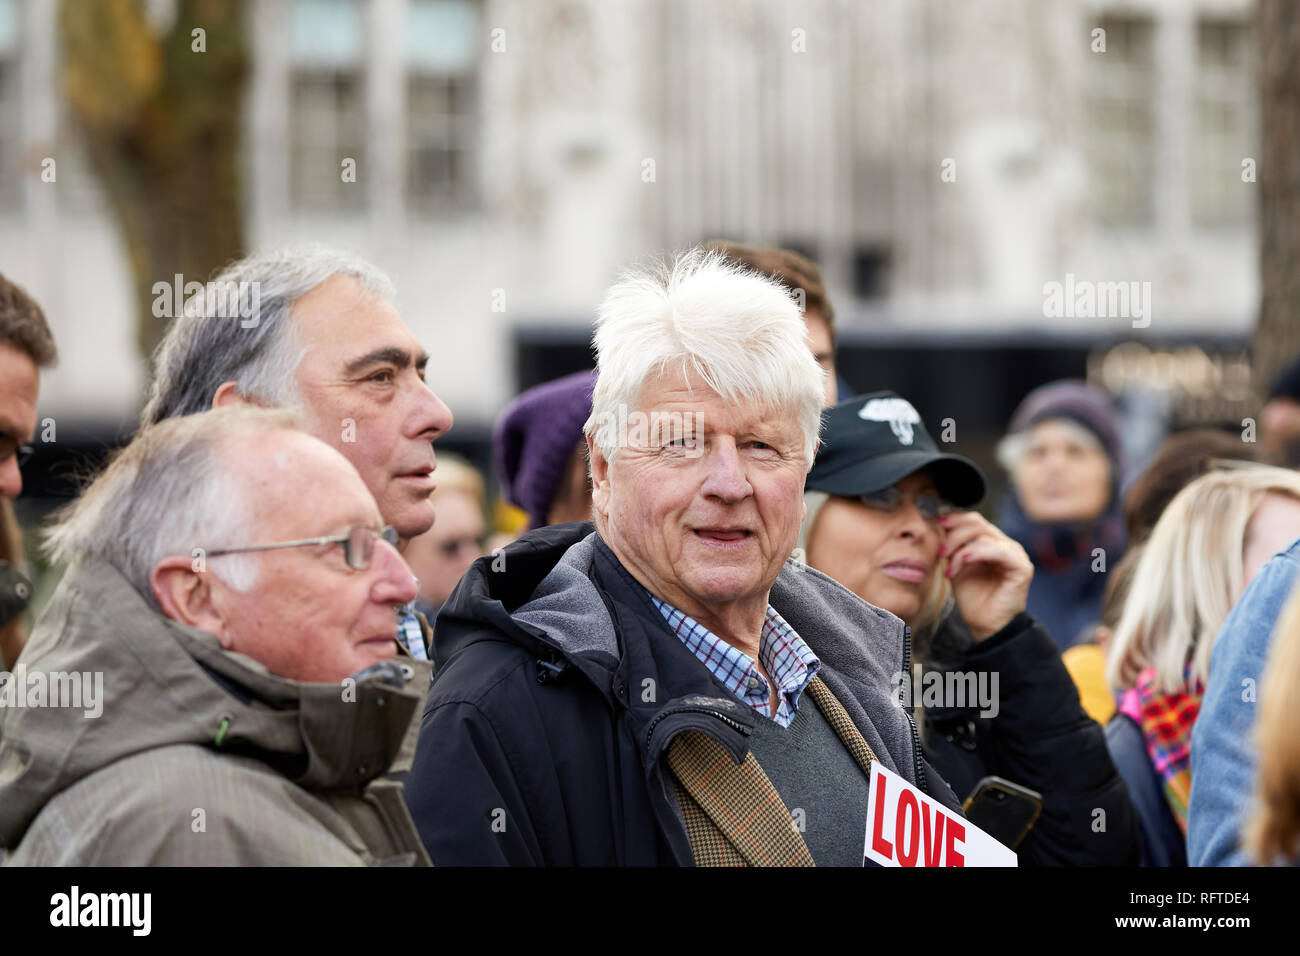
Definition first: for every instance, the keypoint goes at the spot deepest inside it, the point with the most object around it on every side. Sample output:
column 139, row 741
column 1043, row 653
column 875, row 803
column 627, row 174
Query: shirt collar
column 784, row 655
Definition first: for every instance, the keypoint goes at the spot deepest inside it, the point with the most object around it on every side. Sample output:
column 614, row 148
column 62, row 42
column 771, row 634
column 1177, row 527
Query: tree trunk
column 1277, row 336
column 162, row 119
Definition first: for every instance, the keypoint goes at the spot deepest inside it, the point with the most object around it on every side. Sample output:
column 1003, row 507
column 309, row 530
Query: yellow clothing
column 1087, row 666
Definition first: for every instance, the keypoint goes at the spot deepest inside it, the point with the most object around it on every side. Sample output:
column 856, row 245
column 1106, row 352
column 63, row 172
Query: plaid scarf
column 733, row 813
column 1166, row 721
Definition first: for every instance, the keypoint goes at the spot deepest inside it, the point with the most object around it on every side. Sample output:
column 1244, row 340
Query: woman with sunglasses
column 885, row 518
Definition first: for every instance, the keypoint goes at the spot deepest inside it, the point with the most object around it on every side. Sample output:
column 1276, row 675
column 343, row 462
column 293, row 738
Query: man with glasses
column 26, row 347
column 232, row 584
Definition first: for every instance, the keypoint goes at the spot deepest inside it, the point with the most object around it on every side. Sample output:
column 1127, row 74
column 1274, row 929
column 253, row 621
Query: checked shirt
column 783, row 652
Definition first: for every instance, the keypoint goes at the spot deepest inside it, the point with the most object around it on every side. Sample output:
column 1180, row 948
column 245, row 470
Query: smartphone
column 1004, row 810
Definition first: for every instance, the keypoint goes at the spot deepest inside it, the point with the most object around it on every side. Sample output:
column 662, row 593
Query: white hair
column 1011, row 449
column 170, row 491
column 740, row 332
column 237, row 330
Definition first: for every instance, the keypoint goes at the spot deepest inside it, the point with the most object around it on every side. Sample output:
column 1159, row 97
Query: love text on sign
column 907, row 828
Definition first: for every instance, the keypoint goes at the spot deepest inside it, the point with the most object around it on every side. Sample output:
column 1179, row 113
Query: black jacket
column 559, row 686
column 1040, row 738
column 1162, row 842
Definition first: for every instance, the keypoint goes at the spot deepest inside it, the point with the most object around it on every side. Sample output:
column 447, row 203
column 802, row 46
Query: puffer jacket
column 1040, row 737
column 199, row 756
column 560, row 687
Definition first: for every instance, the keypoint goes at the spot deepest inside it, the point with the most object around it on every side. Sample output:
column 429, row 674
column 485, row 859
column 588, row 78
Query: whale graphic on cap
column 897, row 411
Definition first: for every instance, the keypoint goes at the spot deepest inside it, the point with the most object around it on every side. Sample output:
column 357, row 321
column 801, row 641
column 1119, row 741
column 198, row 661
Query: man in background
column 799, row 276
column 316, row 328
column 26, row 346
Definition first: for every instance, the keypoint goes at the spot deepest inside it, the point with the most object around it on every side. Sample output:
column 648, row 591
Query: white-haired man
column 316, row 328
column 222, row 649
column 669, row 689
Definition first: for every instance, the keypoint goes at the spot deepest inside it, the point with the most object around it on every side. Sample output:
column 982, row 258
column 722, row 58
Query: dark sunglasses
column 931, row 507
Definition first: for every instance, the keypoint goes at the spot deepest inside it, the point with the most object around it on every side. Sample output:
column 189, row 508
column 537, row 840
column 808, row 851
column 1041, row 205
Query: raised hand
column 990, row 573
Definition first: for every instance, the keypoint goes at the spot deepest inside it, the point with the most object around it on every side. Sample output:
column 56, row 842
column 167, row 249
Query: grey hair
column 236, row 330
column 1012, row 448
column 740, row 331
column 169, row 492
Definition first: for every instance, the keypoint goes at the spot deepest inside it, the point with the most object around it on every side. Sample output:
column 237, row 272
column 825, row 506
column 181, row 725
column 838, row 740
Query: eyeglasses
column 11, row 447
column 931, row 507
column 358, row 545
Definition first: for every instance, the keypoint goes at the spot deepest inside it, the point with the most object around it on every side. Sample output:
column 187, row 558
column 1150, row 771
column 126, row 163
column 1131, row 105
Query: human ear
column 599, row 476
column 185, row 594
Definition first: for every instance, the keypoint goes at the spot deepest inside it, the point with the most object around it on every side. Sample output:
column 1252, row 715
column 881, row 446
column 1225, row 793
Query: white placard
column 907, row 828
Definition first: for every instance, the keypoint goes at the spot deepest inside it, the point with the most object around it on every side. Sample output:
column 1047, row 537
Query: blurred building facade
column 941, row 160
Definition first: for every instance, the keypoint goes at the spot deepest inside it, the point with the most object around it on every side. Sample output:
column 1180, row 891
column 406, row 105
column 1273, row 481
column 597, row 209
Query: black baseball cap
column 871, row 442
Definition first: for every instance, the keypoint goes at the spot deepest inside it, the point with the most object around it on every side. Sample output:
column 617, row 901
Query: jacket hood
column 527, row 591
column 156, row 683
column 543, row 596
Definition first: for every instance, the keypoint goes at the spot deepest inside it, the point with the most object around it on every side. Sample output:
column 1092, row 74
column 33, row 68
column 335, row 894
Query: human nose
column 394, row 583
column 431, row 417
column 1058, row 461
column 11, row 479
column 726, row 477
column 911, row 522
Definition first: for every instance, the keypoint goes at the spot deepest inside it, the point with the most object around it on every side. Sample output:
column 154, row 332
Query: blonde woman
column 1208, row 544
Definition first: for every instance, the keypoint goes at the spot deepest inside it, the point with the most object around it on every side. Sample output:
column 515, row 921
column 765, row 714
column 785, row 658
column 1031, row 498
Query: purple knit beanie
column 1080, row 403
column 534, row 438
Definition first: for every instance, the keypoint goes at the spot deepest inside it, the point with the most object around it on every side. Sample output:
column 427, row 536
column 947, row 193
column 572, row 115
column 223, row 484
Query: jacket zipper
column 735, row 725
column 917, row 765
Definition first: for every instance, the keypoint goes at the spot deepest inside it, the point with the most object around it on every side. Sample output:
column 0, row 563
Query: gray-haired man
column 216, row 670
column 316, row 327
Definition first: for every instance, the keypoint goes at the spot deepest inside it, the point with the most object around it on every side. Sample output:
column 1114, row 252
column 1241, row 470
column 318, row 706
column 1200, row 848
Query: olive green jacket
column 199, row 756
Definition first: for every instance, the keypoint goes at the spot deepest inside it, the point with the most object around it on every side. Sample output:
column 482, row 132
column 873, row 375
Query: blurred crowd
column 724, row 586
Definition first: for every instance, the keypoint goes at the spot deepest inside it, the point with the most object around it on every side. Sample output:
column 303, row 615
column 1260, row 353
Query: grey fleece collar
column 860, row 646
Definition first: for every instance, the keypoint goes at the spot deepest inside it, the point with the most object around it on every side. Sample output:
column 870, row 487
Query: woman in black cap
column 884, row 519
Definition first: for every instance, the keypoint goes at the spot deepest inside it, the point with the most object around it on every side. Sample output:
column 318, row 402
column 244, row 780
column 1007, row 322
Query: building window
column 443, row 44
column 871, row 272
column 327, row 106
column 1223, row 124
column 1122, row 124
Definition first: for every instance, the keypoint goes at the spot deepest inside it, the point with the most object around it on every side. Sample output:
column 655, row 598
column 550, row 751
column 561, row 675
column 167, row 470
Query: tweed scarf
column 733, row 813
